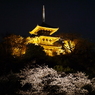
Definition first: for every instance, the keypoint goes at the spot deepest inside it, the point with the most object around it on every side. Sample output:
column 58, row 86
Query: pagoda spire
column 43, row 13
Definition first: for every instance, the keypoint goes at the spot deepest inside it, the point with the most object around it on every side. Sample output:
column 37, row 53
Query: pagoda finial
column 43, row 13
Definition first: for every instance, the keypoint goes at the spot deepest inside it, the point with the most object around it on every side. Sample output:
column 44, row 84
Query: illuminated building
column 43, row 38
column 42, row 35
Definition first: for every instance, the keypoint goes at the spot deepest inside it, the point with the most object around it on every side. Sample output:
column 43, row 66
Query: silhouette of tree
column 34, row 52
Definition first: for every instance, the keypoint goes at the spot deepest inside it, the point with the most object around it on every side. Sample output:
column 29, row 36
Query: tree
column 10, row 58
column 16, row 44
column 68, row 41
column 50, row 82
column 35, row 52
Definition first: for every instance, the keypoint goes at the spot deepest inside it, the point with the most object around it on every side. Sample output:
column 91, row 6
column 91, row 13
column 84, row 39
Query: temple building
column 43, row 38
column 42, row 35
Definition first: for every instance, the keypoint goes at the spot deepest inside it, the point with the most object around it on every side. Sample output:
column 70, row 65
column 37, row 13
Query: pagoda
column 42, row 35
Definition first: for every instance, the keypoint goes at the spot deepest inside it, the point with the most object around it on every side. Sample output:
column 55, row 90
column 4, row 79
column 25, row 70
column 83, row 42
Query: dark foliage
column 34, row 52
column 26, row 87
column 9, row 85
column 90, row 89
column 53, row 90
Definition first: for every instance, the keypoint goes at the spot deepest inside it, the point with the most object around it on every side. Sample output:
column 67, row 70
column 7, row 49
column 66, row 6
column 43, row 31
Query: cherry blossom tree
column 42, row 80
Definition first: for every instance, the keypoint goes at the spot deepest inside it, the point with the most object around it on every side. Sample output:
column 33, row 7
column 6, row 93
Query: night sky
column 71, row 16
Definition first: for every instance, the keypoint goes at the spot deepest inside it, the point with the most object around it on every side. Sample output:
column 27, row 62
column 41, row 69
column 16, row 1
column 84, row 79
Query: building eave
column 38, row 27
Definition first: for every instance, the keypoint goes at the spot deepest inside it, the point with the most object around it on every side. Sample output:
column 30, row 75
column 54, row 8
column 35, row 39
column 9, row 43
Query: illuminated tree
column 10, row 58
column 74, row 42
column 68, row 41
column 47, row 81
column 16, row 44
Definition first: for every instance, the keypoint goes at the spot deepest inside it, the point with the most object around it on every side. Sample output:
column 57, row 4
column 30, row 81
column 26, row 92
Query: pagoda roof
column 44, row 27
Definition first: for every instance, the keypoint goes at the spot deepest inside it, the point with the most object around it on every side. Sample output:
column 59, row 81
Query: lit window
column 43, row 39
column 50, row 40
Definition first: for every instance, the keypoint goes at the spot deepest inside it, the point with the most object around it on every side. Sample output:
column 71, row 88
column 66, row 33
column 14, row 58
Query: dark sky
column 71, row 16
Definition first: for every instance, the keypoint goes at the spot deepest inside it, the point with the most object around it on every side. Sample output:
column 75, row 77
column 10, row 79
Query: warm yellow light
column 38, row 28
column 43, row 40
column 69, row 45
column 47, row 42
column 17, row 44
